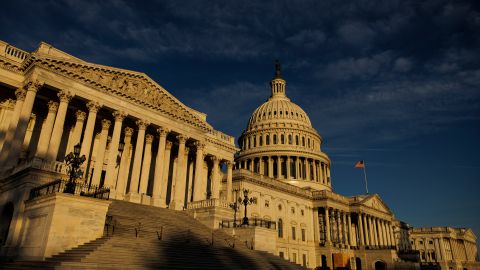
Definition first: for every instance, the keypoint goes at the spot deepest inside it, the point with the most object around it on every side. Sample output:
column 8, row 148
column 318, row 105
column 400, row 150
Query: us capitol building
column 144, row 146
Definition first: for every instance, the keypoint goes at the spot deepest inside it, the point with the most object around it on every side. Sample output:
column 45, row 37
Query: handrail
column 59, row 186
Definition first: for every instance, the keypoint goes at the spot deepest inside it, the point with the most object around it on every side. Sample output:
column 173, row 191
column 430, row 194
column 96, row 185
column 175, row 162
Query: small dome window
column 274, row 139
column 303, row 141
column 296, row 140
column 281, row 113
column 255, row 141
column 267, row 140
column 282, row 139
column 289, row 138
column 286, row 112
column 274, row 112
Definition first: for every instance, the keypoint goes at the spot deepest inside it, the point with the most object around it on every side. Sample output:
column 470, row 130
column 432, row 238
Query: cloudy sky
column 396, row 83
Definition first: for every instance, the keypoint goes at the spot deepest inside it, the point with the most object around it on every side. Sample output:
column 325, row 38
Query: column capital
column 65, row 96
column 52, row 106
column 162, row 131
column 119, row 115
column 20, row 93
column 149, row 138
column 128, row 131
column 33, row 85
column 229, row 164
column 168, row 145
column 9, row 103
column 199, row 145
column 182, row 138
column 106, row 124
column 142, row 124
column 81, row 115
column 93, row 106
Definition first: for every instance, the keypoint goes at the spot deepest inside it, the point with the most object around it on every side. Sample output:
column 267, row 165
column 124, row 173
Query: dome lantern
column 278, row 84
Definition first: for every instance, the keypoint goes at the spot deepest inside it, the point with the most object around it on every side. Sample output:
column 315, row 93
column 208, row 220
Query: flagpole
column 365, row 175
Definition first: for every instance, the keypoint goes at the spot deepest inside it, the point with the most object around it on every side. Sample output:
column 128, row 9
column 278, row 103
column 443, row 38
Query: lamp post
column 246, row 201
column 235, row 206
column 73, row 160
column 121, row 147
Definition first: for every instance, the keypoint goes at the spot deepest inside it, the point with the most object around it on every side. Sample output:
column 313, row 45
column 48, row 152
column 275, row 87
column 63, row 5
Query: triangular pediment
column 375, row 202
column 137, row 87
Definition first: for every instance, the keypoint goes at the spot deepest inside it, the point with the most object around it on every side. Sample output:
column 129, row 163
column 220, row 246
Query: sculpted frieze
column 133, row 86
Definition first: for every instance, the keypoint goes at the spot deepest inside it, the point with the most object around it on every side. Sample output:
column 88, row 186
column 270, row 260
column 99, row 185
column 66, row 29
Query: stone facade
column 51, row 101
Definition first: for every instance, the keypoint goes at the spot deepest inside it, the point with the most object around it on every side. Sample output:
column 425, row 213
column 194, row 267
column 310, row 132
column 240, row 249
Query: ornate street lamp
column 73, row 160
column 246, row 201
column 235, row 206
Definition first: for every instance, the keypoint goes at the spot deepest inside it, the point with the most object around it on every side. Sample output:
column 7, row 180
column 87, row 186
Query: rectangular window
column 294, row 257
column 304, row 260
column 293, row 233
column 303, row 234
column 281, row 254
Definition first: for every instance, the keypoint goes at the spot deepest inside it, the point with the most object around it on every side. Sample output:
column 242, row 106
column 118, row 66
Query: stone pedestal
column 55, row 223
column 146, row 199
column 133, row 197
column 257, row 237
column 158, row 202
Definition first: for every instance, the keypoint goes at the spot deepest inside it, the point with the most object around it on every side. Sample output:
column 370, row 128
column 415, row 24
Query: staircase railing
column 59, row 186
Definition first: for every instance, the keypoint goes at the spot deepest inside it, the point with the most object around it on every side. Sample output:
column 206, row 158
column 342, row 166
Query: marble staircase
column 146, row 237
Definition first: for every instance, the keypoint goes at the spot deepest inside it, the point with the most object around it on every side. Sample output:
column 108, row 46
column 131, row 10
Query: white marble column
column 392, row 235
column 7, row 114
column 279, row 167
column 113, row 149
column 366, row 226
column 307, row 167
column 215, row 178
column 166, row 173
column 261, row 166
column 159, row 170
column 100, row 155
column 314, row 168
column 12, row 153
column 147, row 159
column 124, row 164
column 178, row 201
column 344, row 228
column 360, row 229
column 20, row 93
column 351, row 240
column 199, row 187
column 288, row 165
column 133, row 195
column 327, row 227
column 229, row 181
column 270, row 167
column 93, row 108
column 46, row 131
column 57, row 131
column 190, row 165
column 77, row 130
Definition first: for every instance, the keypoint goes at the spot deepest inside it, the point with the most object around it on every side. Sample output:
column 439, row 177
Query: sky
column 395, row 83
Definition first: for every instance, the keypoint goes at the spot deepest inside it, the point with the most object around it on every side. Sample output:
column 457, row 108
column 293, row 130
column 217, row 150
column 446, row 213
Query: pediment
column 135, row 86
column 374, row 201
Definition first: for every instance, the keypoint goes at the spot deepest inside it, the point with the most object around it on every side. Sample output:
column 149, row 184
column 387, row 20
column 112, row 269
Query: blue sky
column 396, row 83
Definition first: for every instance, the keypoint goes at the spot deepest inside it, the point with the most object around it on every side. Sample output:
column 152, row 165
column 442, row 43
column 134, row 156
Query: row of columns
column 338, row 227
column 105, row 149
column 295, row 168
column 254, row 141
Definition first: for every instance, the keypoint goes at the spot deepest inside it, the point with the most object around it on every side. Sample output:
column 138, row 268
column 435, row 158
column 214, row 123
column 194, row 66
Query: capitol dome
column 280, row 142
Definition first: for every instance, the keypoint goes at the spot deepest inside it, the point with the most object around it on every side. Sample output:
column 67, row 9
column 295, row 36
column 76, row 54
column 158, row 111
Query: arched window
column 303, row 141
column 267, row 140
column 255, row 141
column 289, row 138
column 280, row 228
column 274, row 138
column 308, row 141
column 282, row 139
column 248, row 145
column 260, row 140
column 296, row 140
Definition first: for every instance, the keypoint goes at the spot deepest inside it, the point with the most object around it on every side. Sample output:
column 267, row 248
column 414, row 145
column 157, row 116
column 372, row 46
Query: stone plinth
column 260, row 238
column 60, row 221
column 210, row 212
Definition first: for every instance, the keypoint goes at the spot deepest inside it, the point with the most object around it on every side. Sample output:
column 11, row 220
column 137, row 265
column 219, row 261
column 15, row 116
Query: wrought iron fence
column 253, row 221
column 59, row 186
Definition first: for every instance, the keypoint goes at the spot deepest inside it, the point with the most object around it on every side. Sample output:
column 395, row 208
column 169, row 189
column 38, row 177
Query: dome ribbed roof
column 278, row 109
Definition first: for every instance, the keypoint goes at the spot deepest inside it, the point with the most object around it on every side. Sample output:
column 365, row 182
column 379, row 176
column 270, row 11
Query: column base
column 159, row 202
column 133, row 197
column 176, row 205
column 146, row 199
